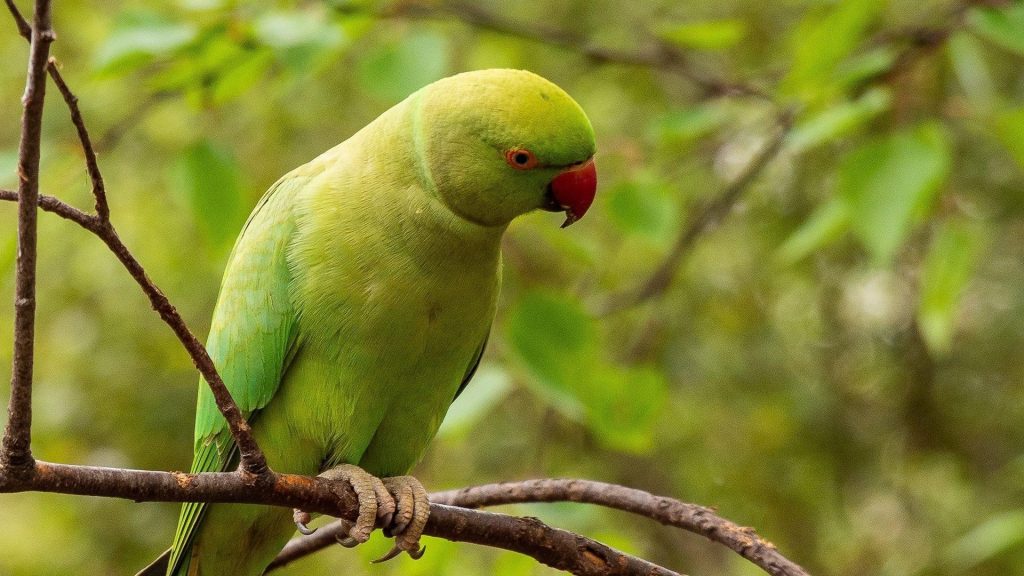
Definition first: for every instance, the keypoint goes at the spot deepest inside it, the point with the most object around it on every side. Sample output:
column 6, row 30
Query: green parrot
column 358, row 298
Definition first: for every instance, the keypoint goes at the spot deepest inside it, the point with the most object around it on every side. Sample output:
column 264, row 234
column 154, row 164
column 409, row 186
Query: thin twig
column 99, row 190
column 698, row 519
column 16, row 452
column 705, row 219
column 24, row 28
column 252, row 459
column 56, row 206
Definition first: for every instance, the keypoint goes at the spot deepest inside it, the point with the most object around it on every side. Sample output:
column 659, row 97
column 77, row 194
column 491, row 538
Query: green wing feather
column 252, row 338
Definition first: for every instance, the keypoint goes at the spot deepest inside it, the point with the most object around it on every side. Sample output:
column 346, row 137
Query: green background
column 837, row 365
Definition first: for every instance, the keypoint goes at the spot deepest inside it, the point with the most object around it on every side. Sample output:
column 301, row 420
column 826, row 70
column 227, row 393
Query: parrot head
column 496, row 144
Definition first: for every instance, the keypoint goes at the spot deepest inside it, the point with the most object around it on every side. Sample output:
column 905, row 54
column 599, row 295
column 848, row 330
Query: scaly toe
column 373, row 498
column 411, row 515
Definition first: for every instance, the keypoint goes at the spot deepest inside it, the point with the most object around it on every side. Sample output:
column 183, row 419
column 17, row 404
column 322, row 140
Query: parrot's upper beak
column 573, row 191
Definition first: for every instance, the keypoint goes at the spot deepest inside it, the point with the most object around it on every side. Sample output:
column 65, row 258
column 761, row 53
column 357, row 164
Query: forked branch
column 252, row 459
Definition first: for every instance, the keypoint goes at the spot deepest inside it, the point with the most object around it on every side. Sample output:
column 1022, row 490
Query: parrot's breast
column 389, row 323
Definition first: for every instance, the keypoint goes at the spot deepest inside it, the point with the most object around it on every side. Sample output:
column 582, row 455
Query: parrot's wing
column 252, row 338
column 471, row 371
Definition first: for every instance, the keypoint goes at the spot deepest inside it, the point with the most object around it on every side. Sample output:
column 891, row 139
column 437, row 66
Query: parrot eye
column 520, row 158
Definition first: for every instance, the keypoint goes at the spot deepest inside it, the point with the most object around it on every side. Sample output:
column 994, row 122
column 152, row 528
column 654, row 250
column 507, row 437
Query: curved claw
column 301, row 520
column 347, row 541
column 412, row 509
column 397, row 550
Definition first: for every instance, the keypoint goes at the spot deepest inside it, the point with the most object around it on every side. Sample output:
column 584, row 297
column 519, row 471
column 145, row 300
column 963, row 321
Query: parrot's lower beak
column 572, row 191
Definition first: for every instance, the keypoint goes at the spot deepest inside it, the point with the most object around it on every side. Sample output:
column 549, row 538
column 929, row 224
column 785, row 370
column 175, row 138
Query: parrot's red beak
column 573, row 191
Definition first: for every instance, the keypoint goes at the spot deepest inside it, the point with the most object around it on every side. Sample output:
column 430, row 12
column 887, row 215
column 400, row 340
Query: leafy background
column 837, row 364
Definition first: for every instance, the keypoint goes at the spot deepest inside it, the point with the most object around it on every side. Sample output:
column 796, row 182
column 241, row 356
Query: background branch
column 705, row 219
column 658, row 55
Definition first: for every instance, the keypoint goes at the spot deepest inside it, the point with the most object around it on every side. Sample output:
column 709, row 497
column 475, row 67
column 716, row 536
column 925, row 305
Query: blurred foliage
column 837, row 364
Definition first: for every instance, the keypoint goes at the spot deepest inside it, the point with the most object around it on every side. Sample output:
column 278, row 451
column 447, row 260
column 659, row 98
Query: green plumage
column 359, row 296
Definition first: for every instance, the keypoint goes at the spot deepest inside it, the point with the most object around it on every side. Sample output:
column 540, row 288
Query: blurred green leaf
column 824, row 225
column 302, row 39
column 138, row 38
column 946, row 271
column 645, row 207
column 489, row 387
column 237, row 79
column 214, row 56
column 558, row 342
column 862, row 68
column 622, row 404
column 822, row 41
column 890, row 182
column 968, row 59
column 211, row 182
column 684, row 125
column 707, row 34
column 394, row 70
column 561, row 345
column 1009, row 129
column 839, row 120
column 203, row 5
column 1003, row 27
column 996, row 535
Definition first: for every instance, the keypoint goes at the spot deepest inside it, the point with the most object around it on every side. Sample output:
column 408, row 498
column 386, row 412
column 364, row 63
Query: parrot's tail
column 158, row 567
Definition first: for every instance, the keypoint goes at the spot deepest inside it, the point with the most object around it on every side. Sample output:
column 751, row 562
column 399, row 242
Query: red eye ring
column 520, row 158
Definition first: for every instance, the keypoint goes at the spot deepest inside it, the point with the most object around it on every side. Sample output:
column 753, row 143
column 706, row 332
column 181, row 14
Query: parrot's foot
column 375, row 502
column 413, row 510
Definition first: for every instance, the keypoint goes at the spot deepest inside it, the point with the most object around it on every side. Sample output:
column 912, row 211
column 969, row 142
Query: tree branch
column 691, row 517
column 252, row 459
column 556, row 548
column 16, row 452
column 551, row 546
